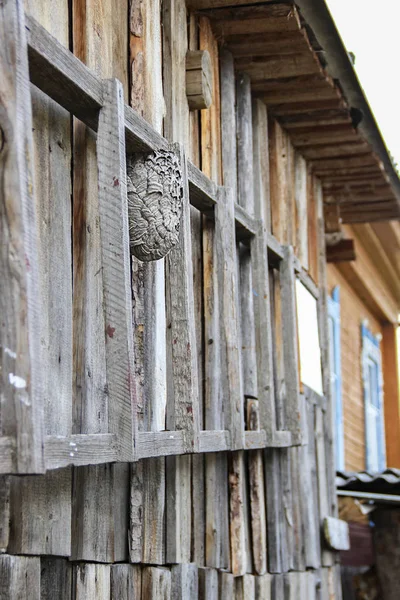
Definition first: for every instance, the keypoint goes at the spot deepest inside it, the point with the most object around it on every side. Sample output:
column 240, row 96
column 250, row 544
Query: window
column 373, row 399
column 309, row 344
column 335, row 371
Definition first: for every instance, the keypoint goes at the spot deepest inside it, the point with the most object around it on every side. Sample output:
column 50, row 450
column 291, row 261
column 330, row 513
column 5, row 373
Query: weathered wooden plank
column 217, row 511
column 114, row 237
column 4, row 513
column 264, row 587
column 52, row 161
column 278, row 181
column 301, row 210
column 226, row 586
column 244, row 143
column 308, row 495
column 49, row 499
column 237, row 503
column 91, row 582
column 184, row 582
column 100, row 490
column 55, row 578
column 274, row 509
column 198, row 534
column 126, row 582
column 208, row 584
column 202, row 191
column 214, row 441
column 262, row 206
column 211, row 118
column 286, row 499
column 323, row 491
column 257, row 495
column 80, row 449
column 290, row 352
column 245, row 588
column 156, row 583
column 297, row 471
column 22, row 376
column 278, row 586
column 19, row 577
column 246, row 225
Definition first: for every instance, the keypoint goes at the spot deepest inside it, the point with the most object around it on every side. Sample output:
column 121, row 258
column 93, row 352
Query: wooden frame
column 120, row 130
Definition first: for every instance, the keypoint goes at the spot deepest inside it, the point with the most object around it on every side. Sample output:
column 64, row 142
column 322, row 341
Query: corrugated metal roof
column 385, row 482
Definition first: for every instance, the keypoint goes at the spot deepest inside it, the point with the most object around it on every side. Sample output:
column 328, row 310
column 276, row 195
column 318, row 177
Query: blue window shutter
column 373, row 401
column 336, row 375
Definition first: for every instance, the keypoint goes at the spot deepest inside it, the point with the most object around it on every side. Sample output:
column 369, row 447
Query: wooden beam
column 292, row 107
column 343, row 251
column 274, row 44
column 204, row 4
column 22, row 380
column 275, row 67
column 336, row 533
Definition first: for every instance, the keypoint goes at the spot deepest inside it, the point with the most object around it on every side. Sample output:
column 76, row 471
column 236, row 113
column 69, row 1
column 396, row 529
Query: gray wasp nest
column 155, row 192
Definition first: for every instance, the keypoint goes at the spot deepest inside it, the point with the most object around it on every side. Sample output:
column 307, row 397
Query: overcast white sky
column 371, row 30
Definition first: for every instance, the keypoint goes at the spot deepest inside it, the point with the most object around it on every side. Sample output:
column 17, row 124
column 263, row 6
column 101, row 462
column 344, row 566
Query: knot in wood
column 155, row 193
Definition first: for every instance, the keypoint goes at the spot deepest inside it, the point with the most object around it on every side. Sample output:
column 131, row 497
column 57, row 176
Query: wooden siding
column 220, row 483
column 352, row 312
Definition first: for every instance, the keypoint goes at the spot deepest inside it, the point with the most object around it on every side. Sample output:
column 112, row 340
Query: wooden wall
column 242, row 524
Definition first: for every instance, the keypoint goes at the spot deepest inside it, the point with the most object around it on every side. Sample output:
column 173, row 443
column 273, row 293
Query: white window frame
column 374, row 417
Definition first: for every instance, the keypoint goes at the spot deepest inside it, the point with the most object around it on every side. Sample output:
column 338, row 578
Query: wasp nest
column 155, row 192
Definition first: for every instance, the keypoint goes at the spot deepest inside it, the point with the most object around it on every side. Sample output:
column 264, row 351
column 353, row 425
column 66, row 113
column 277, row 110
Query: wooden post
column 20, row 334
column 391, row 390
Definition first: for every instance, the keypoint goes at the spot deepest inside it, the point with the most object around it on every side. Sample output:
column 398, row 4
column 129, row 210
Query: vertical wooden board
column 277, row 347
column 264, row 587
column 182, row 401
column 290, row 350
column 312, row 228
column 210, row 118
column 153, row 511
column 100, row 513
column 391, row 385
column 194, row 116
column 278, row 181
column 262, row 204
column 4, row 513
column 309, row 496
column 278, row 587
column 297, row 472
column 52, row 159
column 257, row 495
column 245, row 588
column 274, row 509
column 208, row 584
column 91, row 582
column 185, row 582
column 244, row 142
column 228, row 310
column 22, row 375
column 136, row 511
column 19, row 577
column 226, row 586
column 40, row 514
column 178, row 509
column 301, row 200
column 217, row 542
column 175, row 48
column 156, row 583
column 198, row 510
column 323, row 492
column 116, row 268
column 126, row 582
column 237, row 500
column 228, row 121
column 55, row 579
column 247, row 324
column 286, row 525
